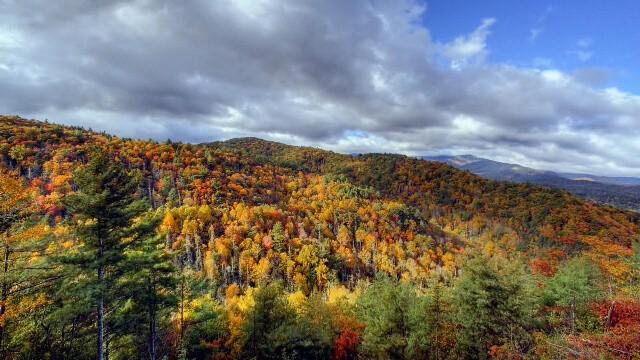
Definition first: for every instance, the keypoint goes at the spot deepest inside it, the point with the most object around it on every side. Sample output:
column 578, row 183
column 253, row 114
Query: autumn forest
column 117, row 248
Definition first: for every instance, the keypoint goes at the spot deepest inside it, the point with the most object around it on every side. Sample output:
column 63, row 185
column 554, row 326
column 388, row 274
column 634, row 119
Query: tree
column 573, row 287
column 104, row 210
column 148, row 279
column 494, row 304
column 24, row 271
column 397, row 321
column 435, row 330
column 634, row 264
column 309, row 335
column 269, row 317
column 277, row 237
column 204, row 326
column 14, row 203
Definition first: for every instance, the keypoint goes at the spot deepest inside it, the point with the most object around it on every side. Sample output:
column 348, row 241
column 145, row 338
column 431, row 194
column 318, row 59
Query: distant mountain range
column 622, row 192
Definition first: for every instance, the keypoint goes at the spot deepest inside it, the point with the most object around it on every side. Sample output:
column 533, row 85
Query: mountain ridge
column 601, row 189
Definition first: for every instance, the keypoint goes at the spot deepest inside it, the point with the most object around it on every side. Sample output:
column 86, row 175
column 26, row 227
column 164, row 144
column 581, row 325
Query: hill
column 260, row 247
column 621, row 192
column 445, row 193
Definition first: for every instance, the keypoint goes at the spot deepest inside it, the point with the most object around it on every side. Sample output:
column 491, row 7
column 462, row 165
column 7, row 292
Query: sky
column 550, row 85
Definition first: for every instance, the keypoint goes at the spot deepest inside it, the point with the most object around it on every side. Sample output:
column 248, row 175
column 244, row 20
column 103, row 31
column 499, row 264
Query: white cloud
column 540, row 23
column 582, row 50
column 473, row 47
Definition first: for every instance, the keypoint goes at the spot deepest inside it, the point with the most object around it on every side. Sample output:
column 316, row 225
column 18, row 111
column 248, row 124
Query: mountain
column 492, row 169
column 622, row 192
column 614, row 180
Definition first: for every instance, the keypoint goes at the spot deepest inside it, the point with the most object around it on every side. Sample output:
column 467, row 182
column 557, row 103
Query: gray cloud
column 346, row 75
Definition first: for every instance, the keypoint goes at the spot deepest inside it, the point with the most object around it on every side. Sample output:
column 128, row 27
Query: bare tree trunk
column 610, row 314
column 100, row 349
column 5, row 290
column 100, row 305
column 182, row 300
column 152, row 326
column 150, row 192
column 573, row 315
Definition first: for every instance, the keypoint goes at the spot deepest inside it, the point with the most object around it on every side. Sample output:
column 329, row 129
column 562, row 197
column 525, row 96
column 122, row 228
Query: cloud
column 583, row 50
column 582, row 55
column 472, row 47
column 592, row 76
column 542, row 63
column 540, row 23
column 352, row 76
column 584, row 43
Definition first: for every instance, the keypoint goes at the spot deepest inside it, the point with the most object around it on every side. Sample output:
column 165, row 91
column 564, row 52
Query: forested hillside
column 254, row 249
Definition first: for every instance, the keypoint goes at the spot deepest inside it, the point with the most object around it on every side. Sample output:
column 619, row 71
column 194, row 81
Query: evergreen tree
column 494, row 304
column 199, row 320
column 398, row 321
column 104, row 212
column 573, row 287
column 149, row 282
column 433, row 337
column 309, row 335
column 265, row 322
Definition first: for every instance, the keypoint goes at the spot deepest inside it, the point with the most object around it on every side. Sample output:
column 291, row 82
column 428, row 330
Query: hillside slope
column 256, row 172
column 540, row 216
column 259, row 246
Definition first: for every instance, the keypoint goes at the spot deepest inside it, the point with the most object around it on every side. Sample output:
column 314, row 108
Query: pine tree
column 397, row 319
column 494, row 303
column 104, row 211
column 268, row 318
column 573, row 287
column 149, row 282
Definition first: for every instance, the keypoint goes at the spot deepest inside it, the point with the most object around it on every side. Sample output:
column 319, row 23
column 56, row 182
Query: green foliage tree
column 494, row 306
column 634, row 264
column 104, row 211
column 398, row 321
column 266, row 322
column 309, row 335
column 573, row 287
column 436, row 332
column 277, row 237
column 205, row 325
column 149, row 283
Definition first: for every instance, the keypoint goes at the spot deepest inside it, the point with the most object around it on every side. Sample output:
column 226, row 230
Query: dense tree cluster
column 117, row 248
